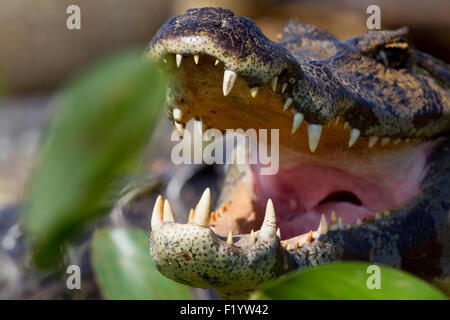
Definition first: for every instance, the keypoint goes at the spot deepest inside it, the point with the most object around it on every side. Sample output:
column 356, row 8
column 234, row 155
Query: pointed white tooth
column 298, row 119
column 284, row 87
column 340, row 224
column 287, row 104
column 230, row 238
column 252, row 237
column 385, row 141
column 201, row 216
column 167, row 212
column 333, row 217
column 314, row 132
column 217, row 62
column 397, row 141
column 345, row 125
column 372, row 141
column 358, row 222
column 196, row 57
column 229, row 78
column 269, row 226
column 337, row 120
column 334, row 227
column 377, row 216
column 354, row 135
column 323, row 226
column 157, row 214
column 179, row 57
column 274, row 83
column 177, row 114
column 254, row 92
column 279, row 233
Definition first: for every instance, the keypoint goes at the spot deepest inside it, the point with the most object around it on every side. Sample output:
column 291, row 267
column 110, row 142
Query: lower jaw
column 310, row 186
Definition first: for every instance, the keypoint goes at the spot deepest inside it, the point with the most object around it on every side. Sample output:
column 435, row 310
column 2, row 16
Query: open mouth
column 349, row 178
column 363, row 151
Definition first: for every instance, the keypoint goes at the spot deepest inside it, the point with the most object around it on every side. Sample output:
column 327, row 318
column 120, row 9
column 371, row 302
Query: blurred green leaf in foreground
column 104, row 119
column 348, row 280
column 124, row 269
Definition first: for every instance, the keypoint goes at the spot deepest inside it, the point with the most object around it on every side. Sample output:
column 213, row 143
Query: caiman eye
column 394, row 55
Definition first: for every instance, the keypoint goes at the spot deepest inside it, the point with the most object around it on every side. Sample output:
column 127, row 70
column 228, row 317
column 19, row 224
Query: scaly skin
column 375, row 83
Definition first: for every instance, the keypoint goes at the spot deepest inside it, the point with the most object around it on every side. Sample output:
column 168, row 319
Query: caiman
column 363, row 142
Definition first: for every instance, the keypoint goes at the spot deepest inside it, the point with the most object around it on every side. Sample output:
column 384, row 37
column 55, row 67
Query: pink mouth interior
column 301, row 193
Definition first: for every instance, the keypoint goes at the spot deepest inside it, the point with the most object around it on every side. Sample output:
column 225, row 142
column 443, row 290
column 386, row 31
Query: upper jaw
column 316, row 90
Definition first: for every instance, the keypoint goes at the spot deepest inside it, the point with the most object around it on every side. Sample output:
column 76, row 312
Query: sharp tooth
column 340, row 224
column 287, row 104
column 201, row 216
column 177, row 114
column 217, row 62
column 314, row 132
column 323, row 226
column 334, row 227
column 191, row 216
column 333, row 216
column 252, row 237
column 278, row 233
column 310, row 237
column 372, row 141
column 358, row 222
column 212, row 217
column 284, row 87
column 345, row 125
column 354, row 135
column 268, row 228
column 337, row 120
column 254, row 91
column 274, row 83
column 377, row 216
column 385, row 141
column 229, row 78
column 196, row 57
column 230, row 238
column 297, row 244
column 167, row 212
column 179, row 57
column 157, row 214
column 179, row 128
column 288, row 247
column 397, row 141
column 298, row 119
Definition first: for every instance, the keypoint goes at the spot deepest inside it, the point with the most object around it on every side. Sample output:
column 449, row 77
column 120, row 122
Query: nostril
column 342, row 196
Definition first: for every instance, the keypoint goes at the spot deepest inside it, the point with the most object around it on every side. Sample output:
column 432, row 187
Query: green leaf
column 348, row 281
column 124, row 269
column 103, row 121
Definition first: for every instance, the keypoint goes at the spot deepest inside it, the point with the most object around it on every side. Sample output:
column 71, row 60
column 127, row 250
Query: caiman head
column 364, row 152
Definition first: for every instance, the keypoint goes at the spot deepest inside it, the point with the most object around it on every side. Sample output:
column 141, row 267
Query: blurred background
column 38, row 54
